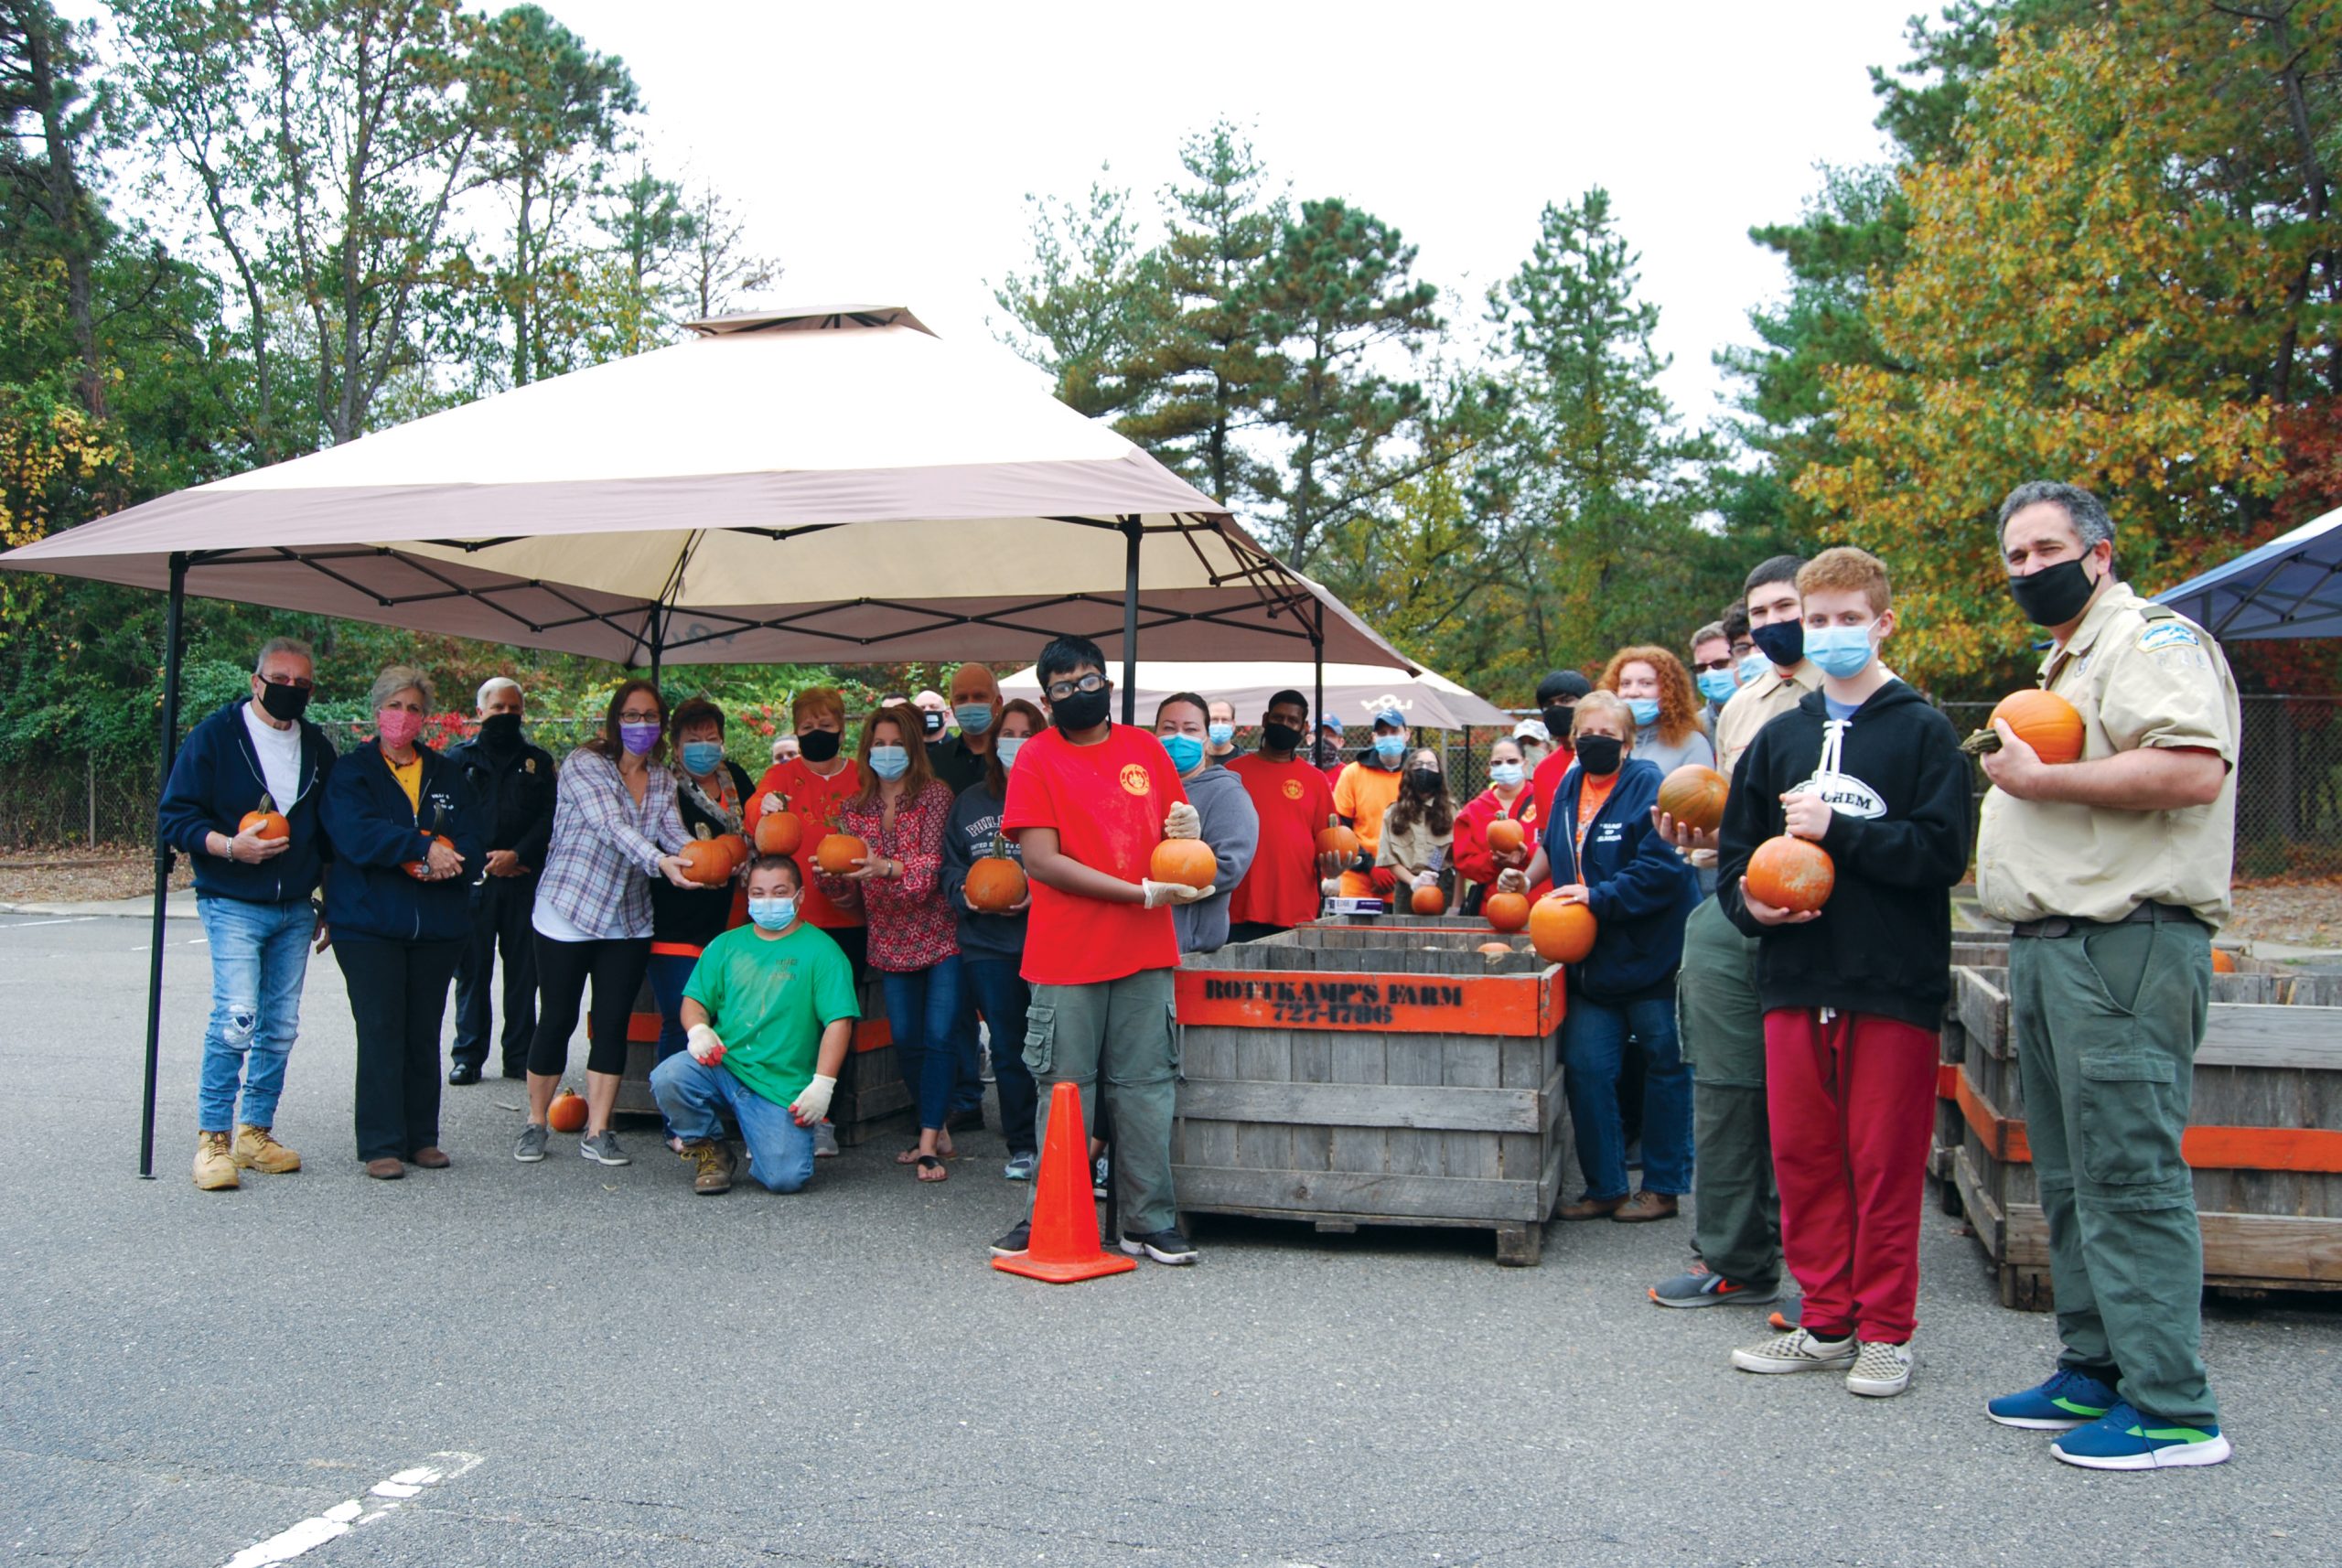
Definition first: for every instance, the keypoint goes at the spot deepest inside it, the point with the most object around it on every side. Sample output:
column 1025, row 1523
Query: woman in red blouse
column 900, row 812
column 1507, row 795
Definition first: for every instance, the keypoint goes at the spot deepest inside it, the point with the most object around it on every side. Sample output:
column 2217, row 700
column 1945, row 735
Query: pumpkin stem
column 1981, row 741
column 266, row 805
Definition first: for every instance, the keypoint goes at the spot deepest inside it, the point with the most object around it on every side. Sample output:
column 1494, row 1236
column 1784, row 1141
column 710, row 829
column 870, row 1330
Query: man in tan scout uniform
column 2114, row 871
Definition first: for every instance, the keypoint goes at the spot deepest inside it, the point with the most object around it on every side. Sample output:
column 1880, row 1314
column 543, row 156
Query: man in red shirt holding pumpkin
column 1088, row 803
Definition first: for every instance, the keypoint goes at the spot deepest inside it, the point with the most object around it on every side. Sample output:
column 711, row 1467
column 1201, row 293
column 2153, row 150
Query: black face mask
column 2055, row 594
column 1083, row 710
column 1783, row 642
column 1279, row 737
column 1557, row 721
column 1598, row 754
column 818, row 744
column 501, row 732
column 1423, row 781
column 931, row 721
column 283, row 703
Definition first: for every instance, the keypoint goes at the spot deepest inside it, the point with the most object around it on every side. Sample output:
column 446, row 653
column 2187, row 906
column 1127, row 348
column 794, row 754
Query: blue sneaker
column 1022, row 1167
column 2123, row 1439
column 2069, row 1399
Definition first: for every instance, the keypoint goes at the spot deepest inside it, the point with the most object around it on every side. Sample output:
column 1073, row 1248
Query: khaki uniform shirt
column 2140, row 674
column 1753, row 707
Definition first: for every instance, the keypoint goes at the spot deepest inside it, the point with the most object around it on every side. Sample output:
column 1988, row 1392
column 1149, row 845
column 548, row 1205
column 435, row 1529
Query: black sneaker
column 1017, row 1242
column 1163, row 1246
column 463, row 1073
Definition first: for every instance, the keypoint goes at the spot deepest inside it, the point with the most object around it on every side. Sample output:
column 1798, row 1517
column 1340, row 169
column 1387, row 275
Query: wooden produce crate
column 1409, row 1081
column 2261, row 1136
column 1972, row 949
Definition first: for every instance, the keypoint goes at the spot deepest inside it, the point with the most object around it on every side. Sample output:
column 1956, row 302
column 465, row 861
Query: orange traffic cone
column 1063, row 1246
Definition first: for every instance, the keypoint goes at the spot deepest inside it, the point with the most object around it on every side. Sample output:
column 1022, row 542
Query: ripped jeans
column 259, row 955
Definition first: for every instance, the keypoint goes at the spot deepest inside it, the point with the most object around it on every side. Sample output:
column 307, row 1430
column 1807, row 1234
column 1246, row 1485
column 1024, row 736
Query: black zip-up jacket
column 215, row 780
column 375, row 833
column 515, row 794
column 1898, row 838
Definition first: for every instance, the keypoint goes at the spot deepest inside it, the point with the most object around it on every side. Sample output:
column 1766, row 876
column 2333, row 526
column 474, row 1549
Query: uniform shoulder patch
column 2162, row 634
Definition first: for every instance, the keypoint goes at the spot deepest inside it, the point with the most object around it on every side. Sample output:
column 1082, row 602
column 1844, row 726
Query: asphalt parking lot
column 563, row 1364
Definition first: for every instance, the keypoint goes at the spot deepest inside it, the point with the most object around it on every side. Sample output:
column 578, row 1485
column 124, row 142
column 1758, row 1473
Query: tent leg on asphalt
column 174, row 622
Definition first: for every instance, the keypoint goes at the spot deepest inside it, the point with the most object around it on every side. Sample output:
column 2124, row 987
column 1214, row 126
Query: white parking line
column 64, row 920
column 346, row 1516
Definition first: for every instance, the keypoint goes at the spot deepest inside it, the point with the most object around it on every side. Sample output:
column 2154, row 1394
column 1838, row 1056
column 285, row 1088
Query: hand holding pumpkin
column 1683, row 835
column 1768, row 915
column 251, row 847
column 1158, row 894
column 671, row 867
column 1805, row 816
column 874, row 868
column 2015, row 769
column 1182, row 822
column 444, row 860
column 1512, row 880
column 1570, row 893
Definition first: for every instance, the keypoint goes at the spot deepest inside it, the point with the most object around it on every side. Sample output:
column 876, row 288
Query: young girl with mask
column 711, row 793
column 615, row 827
column 1666, row 709
column 1507, row 796
column 1418, row 827
column 899, row 814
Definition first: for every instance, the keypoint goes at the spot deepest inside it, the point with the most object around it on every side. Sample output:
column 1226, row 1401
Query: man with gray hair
column 2113, row 870
column 513, row 783
column 242, row 803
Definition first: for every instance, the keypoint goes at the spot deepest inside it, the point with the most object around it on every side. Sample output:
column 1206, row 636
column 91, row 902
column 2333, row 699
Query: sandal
column 929, row 1169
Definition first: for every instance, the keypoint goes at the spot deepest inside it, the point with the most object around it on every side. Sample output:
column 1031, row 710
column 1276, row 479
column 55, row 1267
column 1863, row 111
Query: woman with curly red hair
column 1657, row 691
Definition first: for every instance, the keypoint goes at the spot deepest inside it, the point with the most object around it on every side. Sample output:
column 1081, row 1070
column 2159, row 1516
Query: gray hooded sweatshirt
column 1232, row 830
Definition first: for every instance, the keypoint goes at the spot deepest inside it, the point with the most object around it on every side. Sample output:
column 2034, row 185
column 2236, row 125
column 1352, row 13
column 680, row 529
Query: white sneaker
column 1880, row 1371
column 825, row 1140
column 1796, row 1351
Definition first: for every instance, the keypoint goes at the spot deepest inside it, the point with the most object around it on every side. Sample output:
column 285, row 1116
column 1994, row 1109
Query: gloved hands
column 1183, row 822
column 814, row 1103
column 1512, row 880
column 1385, row 880
column 1158, row 894
column 705, row 1047
column 1425, row 879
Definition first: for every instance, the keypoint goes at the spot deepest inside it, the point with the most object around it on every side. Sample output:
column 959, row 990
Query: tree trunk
column 68, row 209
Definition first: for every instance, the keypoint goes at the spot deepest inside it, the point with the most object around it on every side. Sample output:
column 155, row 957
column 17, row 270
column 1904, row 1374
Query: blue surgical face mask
column 1645, row 709
column 701, row 758
column 772, row 914
column 889, row 761
column 1390, row 747
column 1718, row 685
column 1008, row 746
column 1220, row 734
column 1187, row 750
column 974, row 717
column 1842, row 650
column 1505, row 773
column 1753, row 666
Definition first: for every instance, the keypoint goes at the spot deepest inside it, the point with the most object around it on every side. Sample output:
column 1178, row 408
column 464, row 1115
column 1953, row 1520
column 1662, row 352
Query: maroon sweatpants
column 1852, row 1104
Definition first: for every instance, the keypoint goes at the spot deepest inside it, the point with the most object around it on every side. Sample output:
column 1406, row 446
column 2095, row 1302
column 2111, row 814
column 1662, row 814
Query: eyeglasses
column 1723, row 663
column 1743, row 649
column 298, row 682
column 1060, row 689
column 637, row 716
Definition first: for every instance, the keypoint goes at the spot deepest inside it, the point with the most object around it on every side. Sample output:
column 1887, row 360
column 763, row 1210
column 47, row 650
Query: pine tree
column 1088, row 306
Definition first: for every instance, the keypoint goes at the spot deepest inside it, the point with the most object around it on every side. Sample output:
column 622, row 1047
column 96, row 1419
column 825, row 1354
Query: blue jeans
column 692, row 1097
column 1594, row 1043
column 259, row 955
column 995, row 986
column 922, row 1012
column 670, row 973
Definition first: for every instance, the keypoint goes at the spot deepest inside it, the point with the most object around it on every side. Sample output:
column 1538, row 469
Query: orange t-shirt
column 1591, row 793
column 811, row 796
column 1293, row 802
column 1363, row 794
column 1107, row 804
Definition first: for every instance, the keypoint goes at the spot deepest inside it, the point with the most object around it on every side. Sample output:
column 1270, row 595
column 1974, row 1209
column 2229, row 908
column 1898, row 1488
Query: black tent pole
column 173, row 620
column 1132, row 534
column 1317, row 658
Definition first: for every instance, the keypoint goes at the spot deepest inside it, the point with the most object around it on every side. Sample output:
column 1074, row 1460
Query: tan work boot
column 258, row 1150
column 716, row 1164
column 215, row 1167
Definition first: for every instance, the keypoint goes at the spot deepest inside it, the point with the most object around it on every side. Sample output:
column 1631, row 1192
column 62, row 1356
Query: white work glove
column 1512, row 880
column 815, row 1102
column 705, row 1047
column 1158, row 894
column 1182, row 822
column 1426, row 879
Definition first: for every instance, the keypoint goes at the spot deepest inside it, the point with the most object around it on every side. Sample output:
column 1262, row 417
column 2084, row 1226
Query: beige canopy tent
column 827, row 484
column 1353, row 693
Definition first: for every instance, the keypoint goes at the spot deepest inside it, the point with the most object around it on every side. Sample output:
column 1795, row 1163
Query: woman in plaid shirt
column 615, row 826
column 900, row 813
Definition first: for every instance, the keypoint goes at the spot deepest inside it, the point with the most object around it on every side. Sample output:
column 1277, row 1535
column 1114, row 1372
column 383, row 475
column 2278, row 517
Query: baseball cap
column 1532, row 729
column 1391, row 716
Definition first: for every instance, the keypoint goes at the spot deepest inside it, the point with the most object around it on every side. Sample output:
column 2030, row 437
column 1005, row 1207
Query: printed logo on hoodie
column 1839, row 789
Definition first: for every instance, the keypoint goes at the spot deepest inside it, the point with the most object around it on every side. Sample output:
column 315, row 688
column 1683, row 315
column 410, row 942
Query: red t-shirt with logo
column 1293, row 800
column 1107, row 804
column 811, row 796
column 1548, row 779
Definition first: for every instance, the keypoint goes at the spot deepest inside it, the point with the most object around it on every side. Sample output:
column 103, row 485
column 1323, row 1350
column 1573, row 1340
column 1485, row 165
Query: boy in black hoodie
column 1852, row 992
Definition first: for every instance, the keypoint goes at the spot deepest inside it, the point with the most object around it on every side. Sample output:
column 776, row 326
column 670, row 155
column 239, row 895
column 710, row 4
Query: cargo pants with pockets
column 1121, row 1031
column 2106, row 1021
column 1720, row 1028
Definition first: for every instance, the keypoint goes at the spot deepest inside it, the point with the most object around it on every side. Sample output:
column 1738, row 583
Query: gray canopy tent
column 2289, row 588
column 802, row 485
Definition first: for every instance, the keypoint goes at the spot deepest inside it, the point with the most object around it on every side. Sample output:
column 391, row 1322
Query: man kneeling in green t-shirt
column 782, row 993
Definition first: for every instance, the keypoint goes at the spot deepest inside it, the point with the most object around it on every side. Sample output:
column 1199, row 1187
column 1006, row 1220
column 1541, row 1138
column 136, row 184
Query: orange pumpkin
column 1562, row 933
column 1507, row 912
column 2044, row 721
column 1791, row 873
column 1694, row 795
column 836, row 853
column 1336, row 839
column 736, row 848
column 1496, row 950
column 2223, row 961
column 707, row 861
column 567, row 1114
column 1187, row 861
column 779, row 830
column 996, row 883
column 1428, row 901
column 268, row 821
column 1506, row 836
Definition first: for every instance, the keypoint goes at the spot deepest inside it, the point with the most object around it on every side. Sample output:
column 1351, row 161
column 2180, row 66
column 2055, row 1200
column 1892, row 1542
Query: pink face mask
column 397, row 728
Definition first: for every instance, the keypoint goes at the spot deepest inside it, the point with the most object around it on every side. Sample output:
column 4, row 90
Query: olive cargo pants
column 1736, row 1210
column 1120, row 1031
column 2106, row 1022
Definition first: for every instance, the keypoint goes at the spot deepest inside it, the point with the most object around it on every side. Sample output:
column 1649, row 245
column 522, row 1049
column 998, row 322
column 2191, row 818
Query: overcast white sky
column 883, row 153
